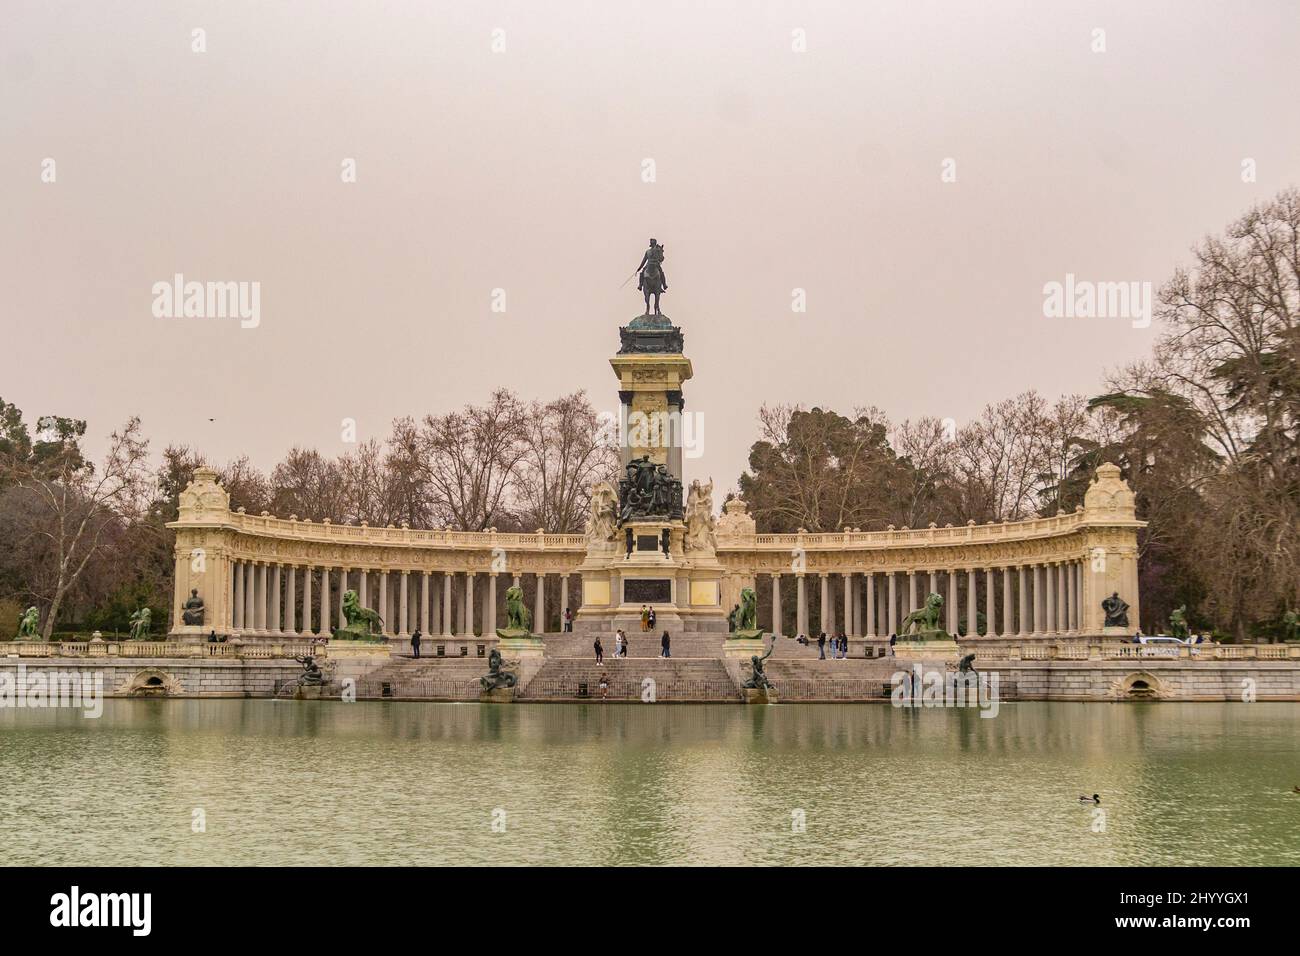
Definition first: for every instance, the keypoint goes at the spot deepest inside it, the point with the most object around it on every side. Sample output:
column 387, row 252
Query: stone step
column 672, row 679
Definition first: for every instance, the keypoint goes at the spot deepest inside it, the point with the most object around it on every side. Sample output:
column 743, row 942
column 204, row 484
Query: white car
column 1165, row 646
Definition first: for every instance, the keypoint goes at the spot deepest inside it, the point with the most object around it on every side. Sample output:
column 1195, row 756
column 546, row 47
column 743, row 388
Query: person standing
column 415, row 644
column 618, row 643
column 645, row 618
column 665, row 646
column 623, row 634
column 600, row 652
column 821, row 646
column 893, row 639
column 651, row 620
column 568, row 619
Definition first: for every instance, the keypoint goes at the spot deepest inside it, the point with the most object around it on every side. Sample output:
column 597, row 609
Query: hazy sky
column 522, row 170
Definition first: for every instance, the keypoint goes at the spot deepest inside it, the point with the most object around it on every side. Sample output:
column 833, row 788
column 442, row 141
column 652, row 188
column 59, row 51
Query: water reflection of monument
column 645, row 545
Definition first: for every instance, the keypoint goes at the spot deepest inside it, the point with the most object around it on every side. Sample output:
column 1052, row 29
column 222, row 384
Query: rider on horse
column 652, row 280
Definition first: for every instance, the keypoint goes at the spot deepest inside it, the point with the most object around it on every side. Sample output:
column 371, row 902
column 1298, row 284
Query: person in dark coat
column 600, row 652
column 415, row 644
column 664, row 643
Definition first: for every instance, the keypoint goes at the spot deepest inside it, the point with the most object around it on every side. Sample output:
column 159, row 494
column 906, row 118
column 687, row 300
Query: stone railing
column 192, row 649
column 1083, row 651
column 271, row 526
column 969, row 533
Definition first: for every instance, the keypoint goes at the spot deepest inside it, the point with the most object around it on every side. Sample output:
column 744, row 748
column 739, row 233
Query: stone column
column 291, row 601
column 870, row 582
column 1062, row 600
column 445, row 610
column 384, row 610
column 238, row 623
column 801, row 607
column 424, row 603
column 403, row 606
column 260, row 611
column 990, row 602
column 952, row 600
column 539, row 602
column 1024, row 600
column 1008, row 615
column 469, row 603
column 1038, row 600
column 849, row 623
column 893, row 604
column 825, row 611
column 911, row 593
column 343, row 588
column 274, row 623
column 776, row 605
column 934, row 586
column 564, row 598
column 972, row 606
column 1049, row 592
column 490, row 618
column 363, row 587
column 306, row 600
column 1078, row 596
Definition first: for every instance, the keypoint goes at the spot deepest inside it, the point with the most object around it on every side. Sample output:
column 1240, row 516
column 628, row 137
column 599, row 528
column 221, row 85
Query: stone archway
column 1140, row 685
column 152, row 682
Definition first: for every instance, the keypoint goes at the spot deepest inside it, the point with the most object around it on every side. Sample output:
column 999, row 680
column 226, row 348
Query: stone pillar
column 870, row 611
column 972, row 606
column 952, row 600
column 261, row 589
column 469, row 603
column 564, row 598
column 1038, row 600
column 849, row 622
column 306, row 600
column 1078, row 597
column 801, row 607
column 776, row 605
column 825, row 611
column 911, row 593
column 343, row 588
column 384, row 610
column 893, row 604
column 1049, row 591
column 291, row 601
column 1008, row 615
column 934, row 586
column 403, row 606
column 363, row 587
column 424, row 603
column 490, row 618
column 990, row 602
column 539, row 602
column 274, row 623
column 1024, row 601
column 238, row 623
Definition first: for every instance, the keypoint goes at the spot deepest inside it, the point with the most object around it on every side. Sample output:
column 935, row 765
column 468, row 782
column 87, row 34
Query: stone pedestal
column 1118, row 632
column 754, row 695
column 940, row 650
column 517, row 645
column 745, row 645
column 501, row 695
column 308, row 692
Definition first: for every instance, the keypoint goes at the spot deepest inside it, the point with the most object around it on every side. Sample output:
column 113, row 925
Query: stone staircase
column 817, row 680
column 633, row 678
column 445, row 678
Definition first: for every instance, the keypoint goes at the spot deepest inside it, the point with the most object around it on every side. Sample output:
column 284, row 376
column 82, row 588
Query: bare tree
column 75, row 508
column 566, row 450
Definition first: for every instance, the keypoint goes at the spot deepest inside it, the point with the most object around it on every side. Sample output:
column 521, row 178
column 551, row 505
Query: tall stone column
column 403, row 606
column 363, row 587
column 1024, row 601
column 1049, row 582
column 801, row 608
column 446, row 603
column 424, row 602
column 972, row 606
column 1008, row 615
column 490, row 618
column 291, row 601
column 893, row 604
column 238, row 623
column 260, row 610
column 306, row 600
column 274, row 624
column 952, row 600
column 990, row 602
column 934, row 586
column 911, row 593
column 1036, row 599
column 539, row 602
column 849, row 623
column 870, row 611
column 825, row 611
column 343, row 588
column 564, row 598
column 776, row 605
column 384, row 611
column 469, row 603
column 1078, row 596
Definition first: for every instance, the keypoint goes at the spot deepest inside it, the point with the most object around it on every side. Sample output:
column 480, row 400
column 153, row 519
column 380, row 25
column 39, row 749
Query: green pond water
column 282, row 782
